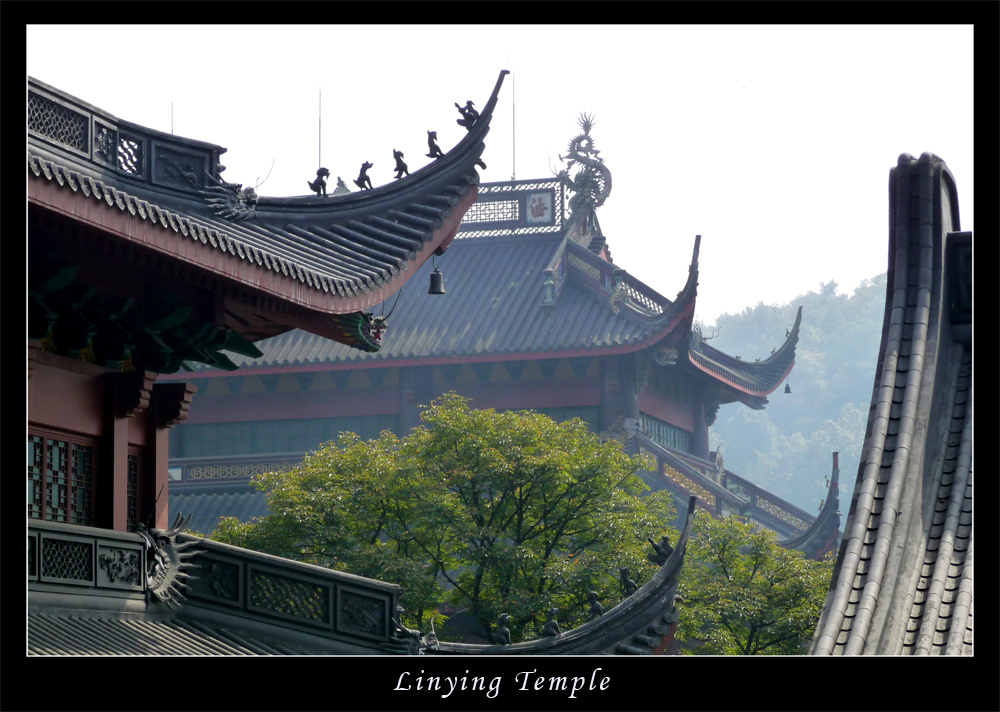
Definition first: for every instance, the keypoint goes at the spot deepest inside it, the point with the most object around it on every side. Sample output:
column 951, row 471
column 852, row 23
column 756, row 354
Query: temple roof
column 494, row 288
column 333, row 255
column 903, row 583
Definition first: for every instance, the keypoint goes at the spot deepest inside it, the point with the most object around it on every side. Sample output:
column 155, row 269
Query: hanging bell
column 788, row 388
column 437, row 282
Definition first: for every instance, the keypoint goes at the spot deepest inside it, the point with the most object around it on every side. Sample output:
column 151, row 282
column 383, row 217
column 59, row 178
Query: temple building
column 536, row 316
column 142, row 261
column 902, row 583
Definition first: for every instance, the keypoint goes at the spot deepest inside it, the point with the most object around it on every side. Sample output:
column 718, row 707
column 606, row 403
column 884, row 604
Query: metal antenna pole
column 513, row 131
column 171, row 116
column 320, row 156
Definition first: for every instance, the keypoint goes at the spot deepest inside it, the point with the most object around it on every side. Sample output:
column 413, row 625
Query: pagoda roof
column 753, row 380
column 494, row 307
column 903, row 581
column 299, row 259
column 822, row 534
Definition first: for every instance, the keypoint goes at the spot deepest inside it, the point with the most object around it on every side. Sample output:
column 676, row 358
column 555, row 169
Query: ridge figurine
column 400, row 166
column 318, row 186
column 432, row 145
column 363, row 180
column 469, row 115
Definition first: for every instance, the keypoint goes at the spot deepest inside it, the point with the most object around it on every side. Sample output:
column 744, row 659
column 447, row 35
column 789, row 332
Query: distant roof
column 337, row 254
column 206, row 505
column 903, row 579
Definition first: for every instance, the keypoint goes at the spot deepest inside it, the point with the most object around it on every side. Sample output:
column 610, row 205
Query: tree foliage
column 786, row 447
column 496, row 512
column 746, row 595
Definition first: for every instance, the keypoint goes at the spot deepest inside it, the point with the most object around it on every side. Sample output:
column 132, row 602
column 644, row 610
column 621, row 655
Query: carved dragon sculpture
column 167, row 561
column 591, row 185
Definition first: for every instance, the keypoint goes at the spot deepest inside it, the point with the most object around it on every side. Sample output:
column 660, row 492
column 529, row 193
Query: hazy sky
column 773, row 143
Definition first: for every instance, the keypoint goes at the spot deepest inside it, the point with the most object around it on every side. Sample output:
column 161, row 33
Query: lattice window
column 289, row 596
column 36, row 473
column 60, row 479
column 132, row 492
column 666, row 434
column 130, row 158
column 57, row 122
column 67, row 560
column 493, row 211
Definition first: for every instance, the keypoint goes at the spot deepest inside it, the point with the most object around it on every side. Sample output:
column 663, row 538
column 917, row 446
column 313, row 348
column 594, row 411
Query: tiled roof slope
column 341, row 250
column 494, row 287
column 206, row 505
column 903, row 579
column 88, row 633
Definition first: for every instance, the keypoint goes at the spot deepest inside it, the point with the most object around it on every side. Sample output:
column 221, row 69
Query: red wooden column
column 171, row 402
column 126, row 395
column 699, row 440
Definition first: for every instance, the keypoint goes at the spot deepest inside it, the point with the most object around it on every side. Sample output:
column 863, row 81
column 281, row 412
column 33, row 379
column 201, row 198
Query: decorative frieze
column 58, row 123
column 776, row 511
column 688, row 484
column 68, row 560
column 203, row 472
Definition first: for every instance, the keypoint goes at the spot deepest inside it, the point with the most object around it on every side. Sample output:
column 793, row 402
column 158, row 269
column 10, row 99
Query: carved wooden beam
column 130, row 391
column 171, row 402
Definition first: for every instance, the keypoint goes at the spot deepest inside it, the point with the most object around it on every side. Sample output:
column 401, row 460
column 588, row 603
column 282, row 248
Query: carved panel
column 58, row 123
column 67, row 560
column 291, row 597
column 105, row 143
column 32, row 557
column 119, row 567
column 217, row 581
column 172, row 167
column 360, row 613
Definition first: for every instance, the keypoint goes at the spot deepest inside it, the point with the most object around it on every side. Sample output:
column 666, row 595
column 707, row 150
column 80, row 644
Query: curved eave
column 757, row 379
column 631, row 616
column 339, row 256
column 825, row 527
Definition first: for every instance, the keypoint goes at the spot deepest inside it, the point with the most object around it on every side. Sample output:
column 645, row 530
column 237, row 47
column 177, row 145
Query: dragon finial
column 167, row 561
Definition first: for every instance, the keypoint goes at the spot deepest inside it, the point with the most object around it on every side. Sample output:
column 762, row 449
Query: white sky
column 773, row 143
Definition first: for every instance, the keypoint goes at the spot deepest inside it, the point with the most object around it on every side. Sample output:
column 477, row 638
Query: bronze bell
column 437, row 282
column 788, row 388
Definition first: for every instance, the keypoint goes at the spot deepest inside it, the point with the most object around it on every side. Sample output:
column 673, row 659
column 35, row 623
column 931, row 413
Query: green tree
column 746, row 595
column 497, row 512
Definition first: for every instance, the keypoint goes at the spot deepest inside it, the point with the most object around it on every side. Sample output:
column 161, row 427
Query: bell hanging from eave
column 788, row 388
column 437, row 282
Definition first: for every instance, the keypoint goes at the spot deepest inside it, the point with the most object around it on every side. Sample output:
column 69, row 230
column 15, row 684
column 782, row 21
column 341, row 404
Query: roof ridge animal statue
column 435, row 150
column 400, row 166
column 661, row 551
column 502, row 636
column 628, row 585
column 596, row 609
column 469, row 115
column 318, row 186
column 551, row 628
column 363, row 181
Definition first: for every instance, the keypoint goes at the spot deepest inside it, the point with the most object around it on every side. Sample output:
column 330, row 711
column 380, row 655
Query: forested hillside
column 786, row 447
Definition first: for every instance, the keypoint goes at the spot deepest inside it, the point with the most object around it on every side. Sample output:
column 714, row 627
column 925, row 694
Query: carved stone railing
column 130, row 152
column 766, row 506
column 64, row 558
column 291, row 594
column 85, row 559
